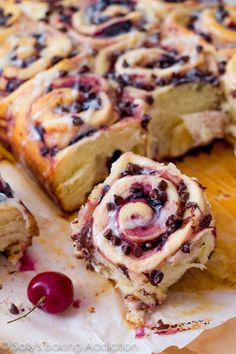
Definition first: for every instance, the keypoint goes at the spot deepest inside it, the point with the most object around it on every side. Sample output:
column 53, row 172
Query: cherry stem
column 41, row 301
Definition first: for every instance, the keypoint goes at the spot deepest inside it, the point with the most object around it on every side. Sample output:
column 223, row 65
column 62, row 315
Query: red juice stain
column 26, row 263
column 140, row 332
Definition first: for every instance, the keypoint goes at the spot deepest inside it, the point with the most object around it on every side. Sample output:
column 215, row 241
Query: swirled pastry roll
column 34, row 10
column 30, row 48
column 179, row 82
column 215, row 25
column 144, row 227
column 229, row 82
column 17, row 224
column 98, row 23
column 10, row 15
column 66, row 125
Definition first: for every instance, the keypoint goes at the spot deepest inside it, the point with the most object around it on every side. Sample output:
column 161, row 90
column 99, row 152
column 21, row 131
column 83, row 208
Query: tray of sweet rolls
column 118, row 133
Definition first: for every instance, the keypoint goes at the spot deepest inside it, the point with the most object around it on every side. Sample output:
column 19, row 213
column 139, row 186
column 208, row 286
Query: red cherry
column 55, row 289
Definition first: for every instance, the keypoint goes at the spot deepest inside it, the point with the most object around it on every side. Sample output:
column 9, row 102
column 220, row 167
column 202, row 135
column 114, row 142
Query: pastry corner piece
column 17, row 224
column 144, row 227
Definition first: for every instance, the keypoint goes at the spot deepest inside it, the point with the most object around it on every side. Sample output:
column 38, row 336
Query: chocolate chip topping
column 77, row 121
column 185, row 247
column 116, row 241
column 111, row 206
column 156, row 277
column 162, row 185
column 205, row 221
column 115, row 29
column 145, row 121
column 137, row 251
column 14, row 309
column 108, row 234
column 119, row 200
column 126, row 249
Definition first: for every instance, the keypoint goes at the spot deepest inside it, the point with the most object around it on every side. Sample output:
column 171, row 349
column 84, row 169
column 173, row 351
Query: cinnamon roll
column 10, row 15
column 180, row 83
column 216, row 27
column 30, row 48
column 98, row 23
column 17, row 224
column 229, row 83
column 67, row 123
column 144, row 227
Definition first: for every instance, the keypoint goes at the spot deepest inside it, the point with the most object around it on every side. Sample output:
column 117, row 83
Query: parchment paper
column 98, row 326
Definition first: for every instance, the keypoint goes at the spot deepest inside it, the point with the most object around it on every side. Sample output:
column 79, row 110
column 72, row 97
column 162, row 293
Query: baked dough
column 144, row 227
column 68, row 124
column 17, row 224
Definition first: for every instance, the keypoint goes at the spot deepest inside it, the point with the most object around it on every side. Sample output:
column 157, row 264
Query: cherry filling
column 156, row 199
column 4, row 18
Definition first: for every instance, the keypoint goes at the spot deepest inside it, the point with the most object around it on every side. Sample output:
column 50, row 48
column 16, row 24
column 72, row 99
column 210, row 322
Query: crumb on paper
column 91, row 309
column 162, row 328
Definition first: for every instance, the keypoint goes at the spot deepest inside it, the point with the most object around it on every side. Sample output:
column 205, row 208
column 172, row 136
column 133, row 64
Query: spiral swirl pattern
column 62, row 111
column 215, row 27
column 31, row 48
column 101, row 23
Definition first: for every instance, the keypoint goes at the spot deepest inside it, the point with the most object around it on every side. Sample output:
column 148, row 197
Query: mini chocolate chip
column 84, row 69
column 133, row 168
column 137, row 251
column 14, row 309
column 8, row 191
column 110, row 206
column 205, row 221
column 185, row 196
column 124, row 270
column 191, row 205
column 181, row 187
column 125, row 64
column 116, row 241
column 171, row 220
column 108, row 234
column 199, row 48
column 163, row 197
column 149, row 100
column 185, row 247
column 55, row 59
column 145, row 121
column 77, row 120
column 156, row 277
column 63, row 29
column 162, row 185
column 154, row 194
column 63, row 73
column 118, row 200
column 126, row 249
column 44, row 151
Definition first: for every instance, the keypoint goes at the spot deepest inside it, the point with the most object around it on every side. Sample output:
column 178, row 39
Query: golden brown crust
column 68, row 151
column 17, row 224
